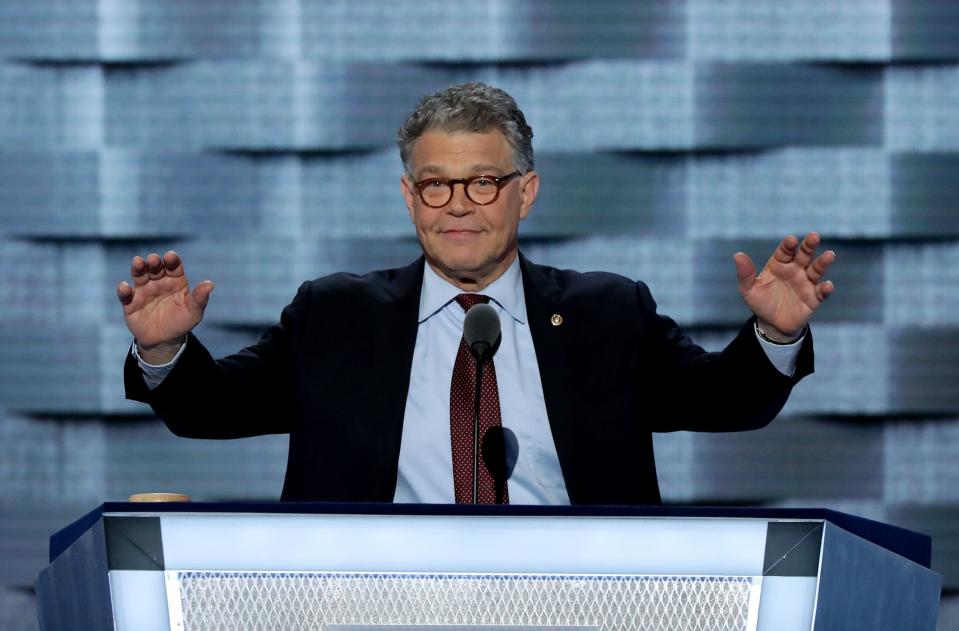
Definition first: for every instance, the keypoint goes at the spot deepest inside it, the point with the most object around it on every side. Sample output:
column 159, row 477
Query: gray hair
column 471, row 107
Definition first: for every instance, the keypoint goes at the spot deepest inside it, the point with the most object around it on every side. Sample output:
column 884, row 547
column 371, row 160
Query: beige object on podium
column 158, row 497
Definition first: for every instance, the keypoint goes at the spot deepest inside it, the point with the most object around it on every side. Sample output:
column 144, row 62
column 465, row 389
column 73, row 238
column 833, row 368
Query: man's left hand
column 789, row 289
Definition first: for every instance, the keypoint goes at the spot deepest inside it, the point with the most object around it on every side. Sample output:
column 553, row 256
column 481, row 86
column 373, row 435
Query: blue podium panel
column 320, row 567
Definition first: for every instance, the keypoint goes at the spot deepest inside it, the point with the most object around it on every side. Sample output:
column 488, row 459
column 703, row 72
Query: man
column 370, row 377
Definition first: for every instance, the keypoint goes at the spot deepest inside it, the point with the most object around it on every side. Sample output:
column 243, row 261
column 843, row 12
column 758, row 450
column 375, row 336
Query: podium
column 354, row 567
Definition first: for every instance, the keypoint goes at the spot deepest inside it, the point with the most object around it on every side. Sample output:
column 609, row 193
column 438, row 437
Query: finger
column 138, row 271
column 745, row 271
column 201, row 293
column 786, row 251
column 172, row 264
column 125, row 293
column 807, row 249
column 824, row 290
column 818, row 268
column 155, row 269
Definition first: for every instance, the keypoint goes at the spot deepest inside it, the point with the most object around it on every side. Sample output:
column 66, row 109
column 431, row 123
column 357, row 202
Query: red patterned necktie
column 462, row 393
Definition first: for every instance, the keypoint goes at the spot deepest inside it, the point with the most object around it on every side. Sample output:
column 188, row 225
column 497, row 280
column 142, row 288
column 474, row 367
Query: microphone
column 500, row 453
column 482, row 332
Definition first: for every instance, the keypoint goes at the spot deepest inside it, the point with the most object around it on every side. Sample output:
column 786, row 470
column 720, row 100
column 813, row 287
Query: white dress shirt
column 426, row 463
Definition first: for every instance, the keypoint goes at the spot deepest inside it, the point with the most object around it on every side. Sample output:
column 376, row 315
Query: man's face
column 467, row 243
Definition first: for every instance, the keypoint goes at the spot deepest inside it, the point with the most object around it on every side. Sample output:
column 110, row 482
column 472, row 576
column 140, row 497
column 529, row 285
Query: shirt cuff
column 782, row 356
column 153, row 375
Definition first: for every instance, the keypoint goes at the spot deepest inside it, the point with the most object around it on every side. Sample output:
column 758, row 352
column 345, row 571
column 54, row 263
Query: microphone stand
column 480, row 361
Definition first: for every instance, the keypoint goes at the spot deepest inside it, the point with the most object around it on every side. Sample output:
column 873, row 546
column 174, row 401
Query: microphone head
column 500, row 452
column 481, row 330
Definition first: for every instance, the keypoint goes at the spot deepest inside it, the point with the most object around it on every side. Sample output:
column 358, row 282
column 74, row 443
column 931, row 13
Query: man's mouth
column 459, row 232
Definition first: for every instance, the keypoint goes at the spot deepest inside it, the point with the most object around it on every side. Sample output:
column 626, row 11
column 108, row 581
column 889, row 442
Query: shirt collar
column 506, row 291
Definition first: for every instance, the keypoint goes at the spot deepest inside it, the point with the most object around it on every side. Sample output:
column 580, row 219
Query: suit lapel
column 544, row 302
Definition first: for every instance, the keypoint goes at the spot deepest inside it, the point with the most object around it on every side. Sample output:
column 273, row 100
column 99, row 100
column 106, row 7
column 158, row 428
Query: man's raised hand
column 789, row 289
column 159, row 307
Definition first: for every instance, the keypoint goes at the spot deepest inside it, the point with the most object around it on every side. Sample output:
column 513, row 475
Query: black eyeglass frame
column 500, row 182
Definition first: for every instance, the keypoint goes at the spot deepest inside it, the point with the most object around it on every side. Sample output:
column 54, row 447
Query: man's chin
column 464, row 271
column 466, row 268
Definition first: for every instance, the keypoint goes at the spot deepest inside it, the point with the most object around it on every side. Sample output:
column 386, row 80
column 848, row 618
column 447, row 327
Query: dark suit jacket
column 334, row 373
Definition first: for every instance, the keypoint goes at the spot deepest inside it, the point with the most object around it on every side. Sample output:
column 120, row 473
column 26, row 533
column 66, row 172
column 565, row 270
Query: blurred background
column 256, row 138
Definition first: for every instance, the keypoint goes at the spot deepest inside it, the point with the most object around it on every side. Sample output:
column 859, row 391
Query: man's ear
column 406, row 188
column 529, row 189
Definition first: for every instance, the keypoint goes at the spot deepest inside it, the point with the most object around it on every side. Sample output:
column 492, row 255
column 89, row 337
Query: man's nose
column 459, row 203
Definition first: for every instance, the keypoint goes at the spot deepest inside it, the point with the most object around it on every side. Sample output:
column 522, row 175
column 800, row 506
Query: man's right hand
column 159, row 307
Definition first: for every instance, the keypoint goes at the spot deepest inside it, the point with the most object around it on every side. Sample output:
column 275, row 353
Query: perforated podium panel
column 285, row 566
column 286, row 600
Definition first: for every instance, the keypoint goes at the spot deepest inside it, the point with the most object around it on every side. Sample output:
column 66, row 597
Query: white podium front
column 288, row 566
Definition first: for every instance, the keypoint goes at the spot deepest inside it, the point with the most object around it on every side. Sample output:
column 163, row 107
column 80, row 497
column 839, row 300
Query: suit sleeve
column 735, row 389
column 249, row 393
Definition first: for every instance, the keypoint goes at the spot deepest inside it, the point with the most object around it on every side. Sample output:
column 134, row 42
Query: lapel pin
column 556, row 319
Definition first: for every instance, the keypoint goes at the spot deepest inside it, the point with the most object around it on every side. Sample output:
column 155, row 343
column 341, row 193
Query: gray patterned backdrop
column 255, row 137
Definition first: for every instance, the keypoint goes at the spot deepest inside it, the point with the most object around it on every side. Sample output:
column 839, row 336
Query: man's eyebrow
column 485, row 169
column 429, row 170
column 474, row 169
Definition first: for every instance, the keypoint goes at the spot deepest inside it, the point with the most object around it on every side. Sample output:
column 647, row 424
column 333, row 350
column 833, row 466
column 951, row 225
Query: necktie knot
column 468, row 300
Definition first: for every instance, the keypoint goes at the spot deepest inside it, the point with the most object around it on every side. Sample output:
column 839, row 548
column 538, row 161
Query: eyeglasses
column 480, row 189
